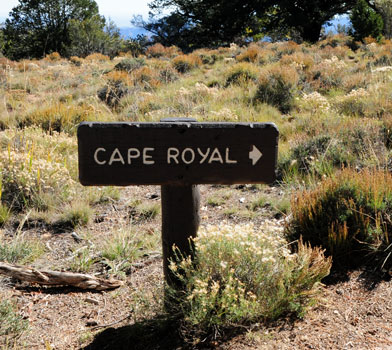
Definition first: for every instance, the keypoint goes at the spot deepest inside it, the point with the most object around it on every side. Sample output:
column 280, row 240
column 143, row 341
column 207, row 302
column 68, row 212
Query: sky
column 120, row 11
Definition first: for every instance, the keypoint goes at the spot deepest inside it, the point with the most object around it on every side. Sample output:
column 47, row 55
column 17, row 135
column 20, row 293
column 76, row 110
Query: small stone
column 75, row 236
column 91, row 301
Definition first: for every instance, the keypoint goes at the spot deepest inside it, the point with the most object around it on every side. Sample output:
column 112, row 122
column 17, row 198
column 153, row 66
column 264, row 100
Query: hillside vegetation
column 332, row 104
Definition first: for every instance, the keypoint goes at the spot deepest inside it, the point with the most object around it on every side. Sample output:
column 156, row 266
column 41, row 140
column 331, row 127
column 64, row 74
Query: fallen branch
column 57, row 278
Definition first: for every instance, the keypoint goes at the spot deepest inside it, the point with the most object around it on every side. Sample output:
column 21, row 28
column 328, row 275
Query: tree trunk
column 311, row 32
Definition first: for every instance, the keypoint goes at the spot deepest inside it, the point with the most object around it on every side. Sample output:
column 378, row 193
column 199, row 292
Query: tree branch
column 46, row 277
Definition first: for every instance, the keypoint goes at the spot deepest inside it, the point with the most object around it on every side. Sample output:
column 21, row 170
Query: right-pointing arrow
column 255, row 155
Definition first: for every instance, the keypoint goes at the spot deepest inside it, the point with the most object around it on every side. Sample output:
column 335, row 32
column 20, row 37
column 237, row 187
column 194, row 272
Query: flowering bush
column 314, row 103
column 25, row 178
column 242, row 274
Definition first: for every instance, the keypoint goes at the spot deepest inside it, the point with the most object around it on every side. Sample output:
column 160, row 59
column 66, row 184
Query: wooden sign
column 179, row 152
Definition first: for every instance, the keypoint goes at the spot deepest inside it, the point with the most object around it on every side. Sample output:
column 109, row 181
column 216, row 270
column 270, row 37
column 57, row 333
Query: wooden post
column 180, row 222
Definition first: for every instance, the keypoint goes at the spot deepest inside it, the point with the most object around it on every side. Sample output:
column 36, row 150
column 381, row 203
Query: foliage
column 137, row 46
column 93, row 34
column 185, row 63
column 2, row 39
column 158, row 50
column 304, row 19
column 384, row 8
column 5, row 212
column 117, row 86
column 347, row 214
column 276, row 87
column 241, row 73
column 130, row 64
column 210, row 23
column 26, row 178
column 20, row 250
column 365, row 21
column 125, row 247
column 12, row 325
column 194, row 24
column 35, row 28
column 243, row 275
column 59, row 117
column 78, row 214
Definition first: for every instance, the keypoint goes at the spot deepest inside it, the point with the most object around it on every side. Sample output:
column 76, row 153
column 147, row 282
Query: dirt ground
column 354, row 312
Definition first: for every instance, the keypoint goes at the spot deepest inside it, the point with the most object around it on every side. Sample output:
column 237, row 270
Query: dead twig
column 58, row 278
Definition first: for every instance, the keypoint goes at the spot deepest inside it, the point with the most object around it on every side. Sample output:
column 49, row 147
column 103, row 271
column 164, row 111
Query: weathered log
column 57, row 278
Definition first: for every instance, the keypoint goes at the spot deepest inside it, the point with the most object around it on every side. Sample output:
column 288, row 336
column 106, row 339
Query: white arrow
column 255, row 155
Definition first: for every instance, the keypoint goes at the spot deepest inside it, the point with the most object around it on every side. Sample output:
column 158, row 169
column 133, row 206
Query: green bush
column 242, row 275
column 277, row 87
column 20, row 250
column 348, row 215
column 12, row 325
column 5, row 212
column 185, row 63
column 241, row 73
column 130, row 64
column 78, row 214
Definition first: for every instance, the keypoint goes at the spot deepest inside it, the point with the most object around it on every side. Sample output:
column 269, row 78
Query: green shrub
column 59, row 117
column 5, row 212
column 241, row 73
column 348, row 215
column 185, row 63
column 125, row 247
column 130, row 64
column 277, row 87
column 78, row 214
column 241, row 275
column 12, row 325
column 20, row 250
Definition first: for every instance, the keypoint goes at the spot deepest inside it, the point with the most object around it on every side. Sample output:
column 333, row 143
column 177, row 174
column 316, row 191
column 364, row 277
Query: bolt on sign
column 176, row 153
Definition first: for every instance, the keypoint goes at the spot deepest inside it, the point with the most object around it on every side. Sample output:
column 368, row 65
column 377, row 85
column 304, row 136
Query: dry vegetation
column 332, row 104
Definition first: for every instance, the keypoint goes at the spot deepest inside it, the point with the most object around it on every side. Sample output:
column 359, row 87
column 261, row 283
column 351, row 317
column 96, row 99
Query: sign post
column 178, row 154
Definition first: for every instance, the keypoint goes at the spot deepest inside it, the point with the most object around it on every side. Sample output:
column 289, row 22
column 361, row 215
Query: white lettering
column 133, row 153
column 203, row 155
column 172, row 153
column 147, row 157
column 215, row 156
column 96, row 156
column 192, row 153
column 116, row 157
column 229, row 161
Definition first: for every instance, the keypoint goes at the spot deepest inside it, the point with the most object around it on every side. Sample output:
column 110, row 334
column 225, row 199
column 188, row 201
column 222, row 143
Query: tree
column 198, row 23
column 365, row 21
column 384, row 8
column 38, row 27
column 94, row 34
column 305, row 17
column 2, row 40
column 201, row 23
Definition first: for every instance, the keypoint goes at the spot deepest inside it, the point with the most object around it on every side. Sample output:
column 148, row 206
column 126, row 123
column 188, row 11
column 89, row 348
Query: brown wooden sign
column 179, row 152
